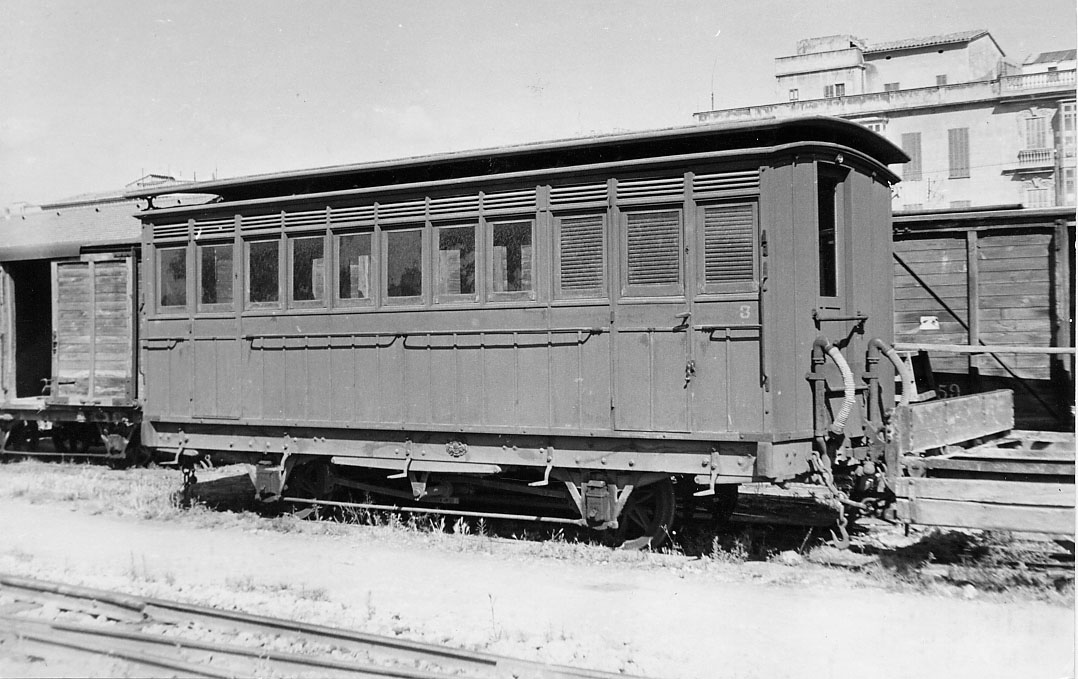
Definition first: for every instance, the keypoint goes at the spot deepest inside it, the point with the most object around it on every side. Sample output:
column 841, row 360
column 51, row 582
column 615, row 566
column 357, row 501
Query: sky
column 93, row 95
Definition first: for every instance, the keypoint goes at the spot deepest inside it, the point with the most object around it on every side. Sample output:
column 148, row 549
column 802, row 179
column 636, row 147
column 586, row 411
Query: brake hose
column 849, row 388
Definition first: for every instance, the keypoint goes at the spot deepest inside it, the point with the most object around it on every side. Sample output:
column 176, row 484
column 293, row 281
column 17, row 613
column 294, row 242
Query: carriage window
column 354, row 268
column 172, row 278
column 511, row 260
column 404, row 264
column 215, row 275
column 581, row 248
column 263, row 272
column 729, row 238
column 826, row 223
column 456, row 261
column 308, row 269
column 653, row 252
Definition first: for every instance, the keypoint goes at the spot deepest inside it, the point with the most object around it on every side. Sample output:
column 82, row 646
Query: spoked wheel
column 23, row 435
column 725, row 503
column 647, row 516
column 308, row 481
column 74, row 439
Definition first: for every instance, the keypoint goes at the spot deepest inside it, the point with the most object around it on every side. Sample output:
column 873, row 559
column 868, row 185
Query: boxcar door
column 93, row 334
column 652, row 324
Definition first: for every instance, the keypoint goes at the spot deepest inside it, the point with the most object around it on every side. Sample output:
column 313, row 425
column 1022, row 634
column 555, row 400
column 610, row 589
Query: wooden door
column 93, row 332
column 652, row 323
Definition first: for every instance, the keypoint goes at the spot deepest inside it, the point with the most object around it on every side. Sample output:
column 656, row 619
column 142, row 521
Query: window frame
column 841, row 219
column 172, row 309
column 637, row 290
column 510, row 295
column 424, row 282
column 462, row 297
column 600, row 293
column 290, row 282
column 726, row 287
column 248, row 304
column 1037, row 128
column 372, row 271
column 211, row 307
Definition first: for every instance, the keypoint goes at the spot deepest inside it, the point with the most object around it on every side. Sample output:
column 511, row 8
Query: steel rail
column 124, row 606
column 46, row 635
column 131, row 646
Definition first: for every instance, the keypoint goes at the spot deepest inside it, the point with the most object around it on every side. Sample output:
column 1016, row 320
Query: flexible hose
column 848, row 387
column 909, row 386
column 838, row 425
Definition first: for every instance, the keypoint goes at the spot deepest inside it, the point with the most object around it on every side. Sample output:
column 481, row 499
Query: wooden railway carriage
column 68, row 291
column 597, row 324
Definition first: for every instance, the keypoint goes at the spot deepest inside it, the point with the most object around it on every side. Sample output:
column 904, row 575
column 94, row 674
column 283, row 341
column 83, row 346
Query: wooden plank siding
column 93, row 331
column 612, row 357
column 1011, row 273
column 941, row 264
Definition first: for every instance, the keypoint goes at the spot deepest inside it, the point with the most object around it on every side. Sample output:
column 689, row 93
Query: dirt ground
column 654, row 615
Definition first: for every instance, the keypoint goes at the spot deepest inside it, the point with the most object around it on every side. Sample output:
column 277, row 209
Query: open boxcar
column 68, row 323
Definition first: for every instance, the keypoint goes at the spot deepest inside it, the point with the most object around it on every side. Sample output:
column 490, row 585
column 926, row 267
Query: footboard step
column 972, row 464
column 987, row 505
column 1023, row 454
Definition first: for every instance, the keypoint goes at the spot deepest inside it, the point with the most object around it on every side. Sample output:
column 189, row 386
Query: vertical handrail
column 763, row 360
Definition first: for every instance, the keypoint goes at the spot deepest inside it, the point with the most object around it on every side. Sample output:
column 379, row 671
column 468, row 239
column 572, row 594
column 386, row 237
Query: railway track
column 168, row 638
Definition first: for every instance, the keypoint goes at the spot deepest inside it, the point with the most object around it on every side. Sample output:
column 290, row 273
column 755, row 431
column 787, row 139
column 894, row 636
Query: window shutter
column 1036, row 137
column 911, row 144
column 654, row 248
column 729, row 235
column 581, row 250
column 958, row 152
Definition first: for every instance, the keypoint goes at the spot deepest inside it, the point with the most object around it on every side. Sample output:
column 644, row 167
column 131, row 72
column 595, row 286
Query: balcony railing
column 1028, row 158
column 1037, row 81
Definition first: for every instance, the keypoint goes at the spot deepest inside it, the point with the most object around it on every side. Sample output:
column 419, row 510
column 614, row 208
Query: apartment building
column 980, row 129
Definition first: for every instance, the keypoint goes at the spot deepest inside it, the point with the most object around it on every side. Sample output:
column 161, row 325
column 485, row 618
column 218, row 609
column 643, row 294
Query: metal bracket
column 711, row 486
column 546, row 472
column 404, row 473
column 419, row 483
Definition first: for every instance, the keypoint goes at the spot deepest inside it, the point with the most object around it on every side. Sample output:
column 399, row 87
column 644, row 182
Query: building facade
column 980, row 129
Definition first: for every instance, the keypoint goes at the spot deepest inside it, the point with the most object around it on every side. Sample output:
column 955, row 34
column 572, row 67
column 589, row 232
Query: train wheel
column 725, row 503
column 23, row 435
column 62, row 440
column 308, row 481
column 647, row 516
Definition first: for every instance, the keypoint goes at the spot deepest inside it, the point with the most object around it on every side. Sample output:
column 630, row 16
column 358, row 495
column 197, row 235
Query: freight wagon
column 68, row 357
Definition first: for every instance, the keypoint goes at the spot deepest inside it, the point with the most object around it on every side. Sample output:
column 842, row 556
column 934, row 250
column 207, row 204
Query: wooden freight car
column 597, row 325
column 68, row 363
column 1000, row 276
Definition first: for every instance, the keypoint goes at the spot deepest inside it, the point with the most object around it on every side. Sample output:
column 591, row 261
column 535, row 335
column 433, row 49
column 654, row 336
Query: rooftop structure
column 980, row 129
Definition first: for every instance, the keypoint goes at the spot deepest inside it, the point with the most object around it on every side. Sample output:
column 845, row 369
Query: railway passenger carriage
column 594, row 324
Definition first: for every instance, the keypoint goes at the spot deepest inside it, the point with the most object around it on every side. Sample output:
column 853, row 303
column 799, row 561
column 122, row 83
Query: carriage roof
column 561, row 155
